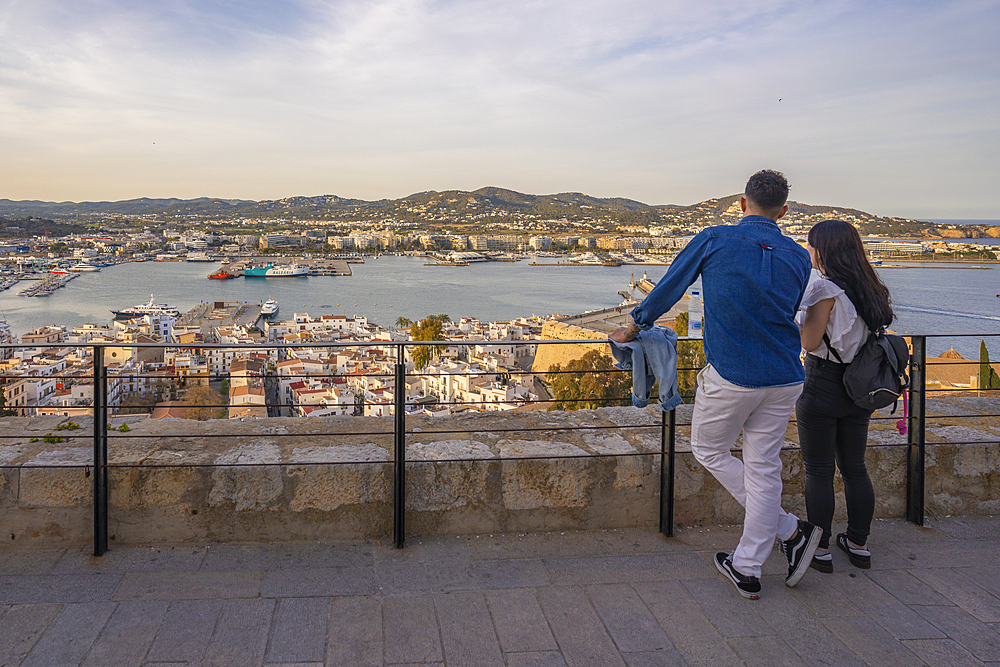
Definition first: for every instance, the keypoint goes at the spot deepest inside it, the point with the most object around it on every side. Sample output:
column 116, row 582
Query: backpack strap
column 829, row 347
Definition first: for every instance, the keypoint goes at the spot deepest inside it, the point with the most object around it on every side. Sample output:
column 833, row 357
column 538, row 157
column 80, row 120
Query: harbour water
column 940, row 299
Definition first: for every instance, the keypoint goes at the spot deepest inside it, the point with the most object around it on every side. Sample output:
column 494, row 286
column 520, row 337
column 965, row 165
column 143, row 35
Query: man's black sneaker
column 822, row 563
column 859, row 557
column 748, row 587
column 799, row 551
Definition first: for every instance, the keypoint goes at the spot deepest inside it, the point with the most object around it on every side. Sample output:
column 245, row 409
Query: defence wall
column 331, row 478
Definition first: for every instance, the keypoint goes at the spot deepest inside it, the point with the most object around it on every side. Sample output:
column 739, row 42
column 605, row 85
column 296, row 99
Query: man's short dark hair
column 768, row 190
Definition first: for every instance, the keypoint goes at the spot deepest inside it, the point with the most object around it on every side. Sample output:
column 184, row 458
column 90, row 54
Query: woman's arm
column 814, row 323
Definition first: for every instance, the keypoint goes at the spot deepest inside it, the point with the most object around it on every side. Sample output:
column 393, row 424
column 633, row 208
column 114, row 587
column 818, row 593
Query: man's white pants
column 723, row 409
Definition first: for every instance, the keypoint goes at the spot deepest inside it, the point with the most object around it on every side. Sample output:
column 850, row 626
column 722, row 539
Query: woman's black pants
column 833, row 433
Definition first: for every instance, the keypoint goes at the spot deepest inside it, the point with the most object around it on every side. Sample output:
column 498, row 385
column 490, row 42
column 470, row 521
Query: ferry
column 199, row 257
column 221, row 274
column 269, row 270
column 269, row 308
column 146, row 309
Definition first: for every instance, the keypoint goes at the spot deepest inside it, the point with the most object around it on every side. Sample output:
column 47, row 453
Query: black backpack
column 877, row 376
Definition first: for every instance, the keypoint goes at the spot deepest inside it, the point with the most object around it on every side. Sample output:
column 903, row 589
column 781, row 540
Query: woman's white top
column 846, row 330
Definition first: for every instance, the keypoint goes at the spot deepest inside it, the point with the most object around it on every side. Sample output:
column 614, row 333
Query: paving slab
column 467, row 634
column 189, row 586
column 632, row 626
column 61, row 588
column 978, row 638
column 240, row 637
column 354, row 635
column 766, row 652
column 185, row 632
column 872, row 643
column 578, row 629
column 127, row 636
column 318, row 582
column 519, row 622
column 943, row 652
column 20, row 628
column 692, row 633
column 411, row 630
column 70, row 636
column 958, row 585
column 299, row 632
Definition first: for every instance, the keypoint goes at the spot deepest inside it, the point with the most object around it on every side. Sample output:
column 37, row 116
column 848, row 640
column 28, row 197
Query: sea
column 956, row 304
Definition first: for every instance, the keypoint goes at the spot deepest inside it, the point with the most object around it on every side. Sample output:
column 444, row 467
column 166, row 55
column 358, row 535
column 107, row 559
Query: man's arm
column 683, row 271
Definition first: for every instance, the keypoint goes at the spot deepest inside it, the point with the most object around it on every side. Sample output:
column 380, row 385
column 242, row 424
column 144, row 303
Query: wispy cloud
column 655, row 100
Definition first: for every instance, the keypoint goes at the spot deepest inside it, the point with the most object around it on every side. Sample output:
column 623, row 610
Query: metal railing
column 915, row 420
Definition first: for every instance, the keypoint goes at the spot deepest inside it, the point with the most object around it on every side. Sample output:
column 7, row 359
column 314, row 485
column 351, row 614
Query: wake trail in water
column 952, row 313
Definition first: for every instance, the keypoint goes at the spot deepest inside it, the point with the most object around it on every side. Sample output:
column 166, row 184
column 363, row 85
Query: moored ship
column 270, row 270
column 146, row 309
column 221, row 274
column 269, row 308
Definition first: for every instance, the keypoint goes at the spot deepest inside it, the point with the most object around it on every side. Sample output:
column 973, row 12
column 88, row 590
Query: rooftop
column 617, row 597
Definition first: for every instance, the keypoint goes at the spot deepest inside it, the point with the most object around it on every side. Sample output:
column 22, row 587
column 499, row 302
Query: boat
column 199, row 257
column 269, row 308
column 84, row 267
column 269, row 270
column 59, row 271
column 221, row 274
column 146, row 309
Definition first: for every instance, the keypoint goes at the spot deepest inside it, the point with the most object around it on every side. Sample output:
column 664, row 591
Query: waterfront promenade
column 622, row 597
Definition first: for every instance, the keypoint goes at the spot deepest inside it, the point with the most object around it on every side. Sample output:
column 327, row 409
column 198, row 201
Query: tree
column 205, row 403
column 589, row 382
column 988, row 378
column 690, row 359
column 429, row 328
column 403, row 322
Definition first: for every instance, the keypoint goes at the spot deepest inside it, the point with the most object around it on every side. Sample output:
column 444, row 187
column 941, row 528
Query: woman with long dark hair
column 840, row 310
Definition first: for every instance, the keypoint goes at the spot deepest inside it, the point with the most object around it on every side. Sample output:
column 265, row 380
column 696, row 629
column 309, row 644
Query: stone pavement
column 618, row 597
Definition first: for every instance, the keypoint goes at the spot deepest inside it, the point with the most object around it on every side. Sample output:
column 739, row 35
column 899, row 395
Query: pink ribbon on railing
column 901, row 424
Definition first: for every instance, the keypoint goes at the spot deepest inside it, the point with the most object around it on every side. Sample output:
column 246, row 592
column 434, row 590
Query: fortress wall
column 325, row 479
column 549, row 355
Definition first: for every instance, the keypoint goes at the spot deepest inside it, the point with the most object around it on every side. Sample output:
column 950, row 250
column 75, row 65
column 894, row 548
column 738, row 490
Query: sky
column 888, row 107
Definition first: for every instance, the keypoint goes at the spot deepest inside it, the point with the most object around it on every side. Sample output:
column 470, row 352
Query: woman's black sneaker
column 859, row 557
column 822, row 563
column 748, row 587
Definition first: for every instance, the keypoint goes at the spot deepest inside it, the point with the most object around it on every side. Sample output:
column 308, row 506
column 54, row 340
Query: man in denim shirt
column 753, row 279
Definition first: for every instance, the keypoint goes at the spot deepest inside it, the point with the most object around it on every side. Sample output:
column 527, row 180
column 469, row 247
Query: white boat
column 146, row 309
column 199, row 257
column 269, row 308
column 84, row 267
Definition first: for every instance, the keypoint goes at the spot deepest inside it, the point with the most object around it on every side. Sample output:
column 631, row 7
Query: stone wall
column 549, row 355
column 331, row 478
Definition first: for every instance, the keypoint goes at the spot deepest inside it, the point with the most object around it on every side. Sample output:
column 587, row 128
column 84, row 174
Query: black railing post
column 668, row 440
column 399, row 454
column 916, row 438
column 100, row 453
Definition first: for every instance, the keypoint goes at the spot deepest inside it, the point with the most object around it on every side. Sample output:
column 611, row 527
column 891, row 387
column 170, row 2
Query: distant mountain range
column 449, row 207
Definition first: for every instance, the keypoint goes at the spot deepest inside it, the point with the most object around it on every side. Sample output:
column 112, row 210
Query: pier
column 47, row 283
